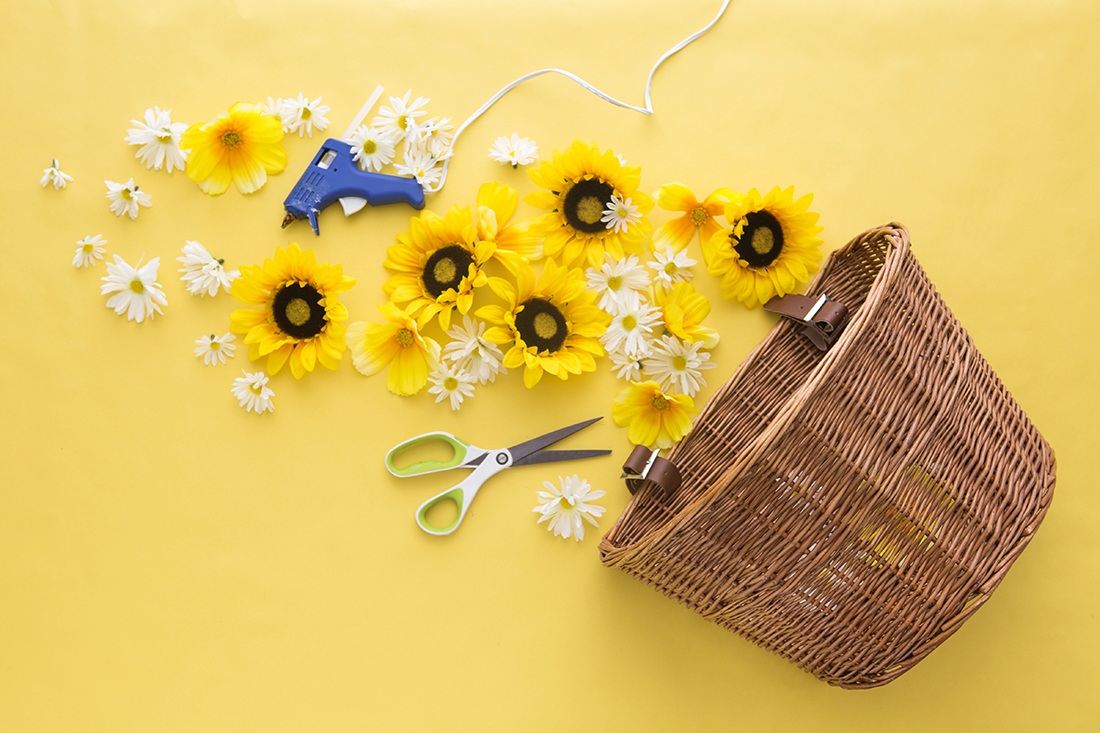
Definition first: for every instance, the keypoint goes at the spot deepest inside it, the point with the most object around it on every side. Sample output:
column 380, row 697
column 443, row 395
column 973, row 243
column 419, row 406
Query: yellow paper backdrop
column 169, row 562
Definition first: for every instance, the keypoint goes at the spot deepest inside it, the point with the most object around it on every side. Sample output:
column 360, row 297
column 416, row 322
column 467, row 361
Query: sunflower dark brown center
column 298, row 311
column 445, row 269
column 542, row 325
column 585, row 203
column 761, row 240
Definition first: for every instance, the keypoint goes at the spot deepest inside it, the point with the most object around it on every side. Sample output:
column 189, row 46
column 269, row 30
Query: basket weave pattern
column 848, row 509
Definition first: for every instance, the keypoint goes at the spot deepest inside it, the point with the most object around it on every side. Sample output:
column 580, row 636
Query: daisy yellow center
column 126, row 195
column 164, row 135
column 88, row 247
column 137, row 286
column 630, row 323
column 546, row 326
column 614, row 283
column 450, row 384
column 214, row 346
column 671, row 268
column 589, row 210
column 567, row 502
column 699, row 216
column 231, row 139
column 369, row 147
column 679, row 363
column 404, row 338
column 297, row 311
column 306, row 113
column 660, row 404
column 403, row 122
column 256, row 388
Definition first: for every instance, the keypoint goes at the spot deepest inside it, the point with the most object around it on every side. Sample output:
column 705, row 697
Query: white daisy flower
column 215, row 349
column 280, row 109
column 125, row 198
column 631, row 330
column 618, row 283
column 436, row 136
column 159, row 139
column 451, row 381
column 202, row 273
column 514, row 151
column 252, row 392
column 677, row 365
column 54, row 175
column 565, row 508
column 371, row 149
column 303, row 116
column 422, row 166
column 88, row 250
column 620, row 213
column 395, row 120
column 468, row 351
column 671, row 267
column 134, row 291
column 626, row 366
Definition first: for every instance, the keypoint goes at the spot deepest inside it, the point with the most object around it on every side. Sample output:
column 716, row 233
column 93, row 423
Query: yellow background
column 169, row 562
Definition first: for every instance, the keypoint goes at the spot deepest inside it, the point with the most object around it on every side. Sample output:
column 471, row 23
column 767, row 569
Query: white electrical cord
column 647, row 110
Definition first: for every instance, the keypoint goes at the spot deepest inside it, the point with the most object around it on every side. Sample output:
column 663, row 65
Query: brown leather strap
column 645, row 465
column 823, row 319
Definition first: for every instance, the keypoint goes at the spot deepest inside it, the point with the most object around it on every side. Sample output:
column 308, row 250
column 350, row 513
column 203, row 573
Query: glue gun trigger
column 352, row 204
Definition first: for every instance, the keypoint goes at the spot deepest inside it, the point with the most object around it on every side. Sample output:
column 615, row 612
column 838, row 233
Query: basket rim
column 896, row 236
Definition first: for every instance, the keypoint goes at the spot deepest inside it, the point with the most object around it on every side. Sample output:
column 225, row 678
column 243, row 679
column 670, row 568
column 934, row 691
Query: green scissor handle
column 463, row 493
column 461, row 449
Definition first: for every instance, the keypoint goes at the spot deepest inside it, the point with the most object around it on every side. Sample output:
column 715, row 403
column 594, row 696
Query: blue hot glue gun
column 334, row 176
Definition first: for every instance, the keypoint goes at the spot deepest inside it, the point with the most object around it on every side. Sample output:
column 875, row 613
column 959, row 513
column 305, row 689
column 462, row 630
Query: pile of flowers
column 424, row 142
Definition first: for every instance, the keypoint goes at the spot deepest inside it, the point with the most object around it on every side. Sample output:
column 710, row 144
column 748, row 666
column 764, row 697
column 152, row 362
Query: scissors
column 486, row 463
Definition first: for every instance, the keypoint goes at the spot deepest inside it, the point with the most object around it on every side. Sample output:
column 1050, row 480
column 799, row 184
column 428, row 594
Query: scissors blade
column 551, row 456
column 522, row 450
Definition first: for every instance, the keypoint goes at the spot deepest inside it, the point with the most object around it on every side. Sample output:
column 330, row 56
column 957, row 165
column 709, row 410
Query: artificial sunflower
column 438, row 264
column 514, row 242
column 553, row 324
column 683, row 310
column 239, row 146
column 772, row 248
column 302, row 318
column 396, row 343
column 579, row 185
column 698, row 216
column 653, row 416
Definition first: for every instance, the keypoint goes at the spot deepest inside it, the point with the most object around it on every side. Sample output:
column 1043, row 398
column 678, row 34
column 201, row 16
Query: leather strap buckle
column 822, row 319
column 644, row 465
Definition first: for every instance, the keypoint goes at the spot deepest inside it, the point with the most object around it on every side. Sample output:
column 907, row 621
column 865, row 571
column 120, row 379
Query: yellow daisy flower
column 495, row 205
column 553, row 324
column 396, row 343
column 772, row 249
column 239, row 146
column 579, row 184
column 698, row 216
column 653, row 416
column 302, row 317
column 438, row 264
column 683, row 310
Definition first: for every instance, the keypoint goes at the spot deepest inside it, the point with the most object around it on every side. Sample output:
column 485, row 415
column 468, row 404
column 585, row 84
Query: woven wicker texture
column 848, row 509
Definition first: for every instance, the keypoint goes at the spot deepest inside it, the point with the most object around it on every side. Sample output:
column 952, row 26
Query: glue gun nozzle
column 289, row 218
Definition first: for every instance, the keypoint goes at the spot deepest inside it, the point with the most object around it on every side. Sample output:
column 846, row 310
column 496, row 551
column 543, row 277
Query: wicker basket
column 848, row 509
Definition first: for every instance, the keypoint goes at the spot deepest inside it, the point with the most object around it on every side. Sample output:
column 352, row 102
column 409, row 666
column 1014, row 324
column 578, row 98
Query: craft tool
column 334, row 176
column 486, row 463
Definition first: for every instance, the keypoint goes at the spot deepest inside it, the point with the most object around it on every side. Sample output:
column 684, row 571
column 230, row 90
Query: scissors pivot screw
column 502, row 458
